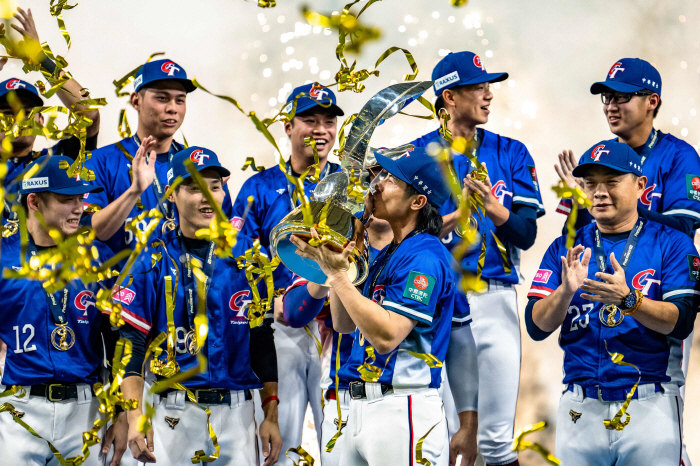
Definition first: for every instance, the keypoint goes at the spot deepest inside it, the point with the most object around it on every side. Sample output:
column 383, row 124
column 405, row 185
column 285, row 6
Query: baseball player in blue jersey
column 27, row 98
column 631, row 95
column 240, row 359
column 630, row 287
column 55, row 347
column 135, row 182
column 512, row 204
column 401, row 320
column 296, row 350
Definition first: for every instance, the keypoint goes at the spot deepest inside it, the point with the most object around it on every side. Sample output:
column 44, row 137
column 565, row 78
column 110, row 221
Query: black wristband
column 48, row 64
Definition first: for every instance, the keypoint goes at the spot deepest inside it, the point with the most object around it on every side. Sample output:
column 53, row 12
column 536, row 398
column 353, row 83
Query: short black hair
column 429, row 219
column 656, row 110
column 439, row 104
column 43, row 195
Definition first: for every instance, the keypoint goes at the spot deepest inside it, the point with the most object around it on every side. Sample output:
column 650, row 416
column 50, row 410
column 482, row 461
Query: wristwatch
column 629, row 301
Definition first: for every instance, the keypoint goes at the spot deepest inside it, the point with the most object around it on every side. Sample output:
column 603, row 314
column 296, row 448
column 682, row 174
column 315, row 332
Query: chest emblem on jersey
column 694, row 268
column 419, row 287
column 83, row 301
column 172, row 421
column 379, row 294
column 644, row 279
column 499, row 191
column 648, row 196
column 574, row 415
column 692, row 187
column 238, row 303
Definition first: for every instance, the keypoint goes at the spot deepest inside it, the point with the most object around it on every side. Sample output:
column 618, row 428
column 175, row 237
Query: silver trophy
column 333, row 208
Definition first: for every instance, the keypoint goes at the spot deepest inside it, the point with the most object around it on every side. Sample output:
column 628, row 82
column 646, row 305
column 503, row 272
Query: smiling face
column 193, row 208
column 319, row 123
column 627, row 118
column 161, row 108
column 469, row 104
column 614, row 194
column 60, row 211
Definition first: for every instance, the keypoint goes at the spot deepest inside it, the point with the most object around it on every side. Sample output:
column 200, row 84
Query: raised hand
column 27, row 27
column 331, row 262
column 574, row 271
column 612, row 290
column 565, row 168
column 143, row 170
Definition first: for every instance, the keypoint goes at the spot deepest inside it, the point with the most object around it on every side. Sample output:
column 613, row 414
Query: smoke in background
column 553, row 51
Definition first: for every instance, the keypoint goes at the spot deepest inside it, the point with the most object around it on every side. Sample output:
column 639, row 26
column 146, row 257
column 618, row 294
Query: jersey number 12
column 26, row 347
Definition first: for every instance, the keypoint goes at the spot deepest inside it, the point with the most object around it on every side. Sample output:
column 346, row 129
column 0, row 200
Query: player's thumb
column 615, row 264
column 266, row 447
column 348, row 249
column 453, row 455
column 107, row 442
column 149, row 439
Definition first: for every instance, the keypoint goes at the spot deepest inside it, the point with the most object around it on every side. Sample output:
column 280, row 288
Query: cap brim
column 608, row 86
column 580, row 170
column 33, row 99
column 391, row 166
column 306, row 107
column 486, row 78
column 75, row 190
column 189, row 86
column 220, row 170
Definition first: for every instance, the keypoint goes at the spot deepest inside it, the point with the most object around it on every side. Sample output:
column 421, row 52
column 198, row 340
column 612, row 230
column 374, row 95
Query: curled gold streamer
column 56, row 8
column 341, row 135
column 419, row 448
column 304, row 458
column 250, row 162
column 578, row 198
column 331, row 443
column 616, row 423
column 520, row 444
column 257, row 266
column 267, row 3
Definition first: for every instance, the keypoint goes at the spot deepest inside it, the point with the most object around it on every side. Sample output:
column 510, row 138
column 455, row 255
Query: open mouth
column 321, row 143
column 207, row 212
column 170, row 122
column 74, row 222
column 614, row 119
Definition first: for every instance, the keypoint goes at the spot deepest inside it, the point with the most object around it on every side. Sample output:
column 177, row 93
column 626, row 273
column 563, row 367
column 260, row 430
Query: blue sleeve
column 520, row 229
column 533, row 330
column 300, row 307
column 526, row 187
column 416, row 285
column 251, row 227
column 139, row 297
column 681, row 268
column 677, row 222
column 686, row 317
column 103, row 179
column 679, row 194
column 548, row 276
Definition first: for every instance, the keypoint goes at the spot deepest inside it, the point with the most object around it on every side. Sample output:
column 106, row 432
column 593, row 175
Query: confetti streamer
column 250, row 162
column 520, row 444
column 419, row 448
column 56, row 8
column 304, row 458
column 258, row 267
column 267, row 3
column 616, row 423
column 331, row 443
column 578, row 198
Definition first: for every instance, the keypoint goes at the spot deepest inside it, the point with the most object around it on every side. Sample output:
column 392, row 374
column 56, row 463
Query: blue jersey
column 416, row 281
column 111, row 168
column 228, row 343
column 672, row 169
column 273, row 201
column 27, row 323
column 664, row 265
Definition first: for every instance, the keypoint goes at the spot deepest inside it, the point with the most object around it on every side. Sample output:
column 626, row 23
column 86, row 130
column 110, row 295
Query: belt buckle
column 354, row 383
column 48, row 392
column 196, row 393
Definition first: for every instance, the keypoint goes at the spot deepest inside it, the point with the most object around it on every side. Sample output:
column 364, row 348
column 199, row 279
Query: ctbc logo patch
column 477, row 63
column 238, row 303
column 15, row 84
column 695, row 183
column 696, row 263
column 379, row 294
column 124, row 295
column 199, row 157
column 318, row 93
column 614, row 69
column 643, row 281
column 170, row 68
column 542, row 276
column 598, row 151
column 499, row 191
column 648, row 195
column 237, row 223
column 420, row 282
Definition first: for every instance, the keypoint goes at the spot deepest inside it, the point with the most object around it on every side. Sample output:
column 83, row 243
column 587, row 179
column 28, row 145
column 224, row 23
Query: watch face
column 630, row 300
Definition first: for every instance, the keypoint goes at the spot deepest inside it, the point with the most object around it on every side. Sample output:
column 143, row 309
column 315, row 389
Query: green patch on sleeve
column 692, row 187
column 694, row 268
column 419, row 287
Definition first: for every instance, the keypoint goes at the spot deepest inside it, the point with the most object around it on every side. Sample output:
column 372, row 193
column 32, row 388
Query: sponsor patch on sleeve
column 533, row 175
column 693, row 268
column 237, row 223
column 124, row 295
column 542, row 276
column 692, row 187
column 419, row 287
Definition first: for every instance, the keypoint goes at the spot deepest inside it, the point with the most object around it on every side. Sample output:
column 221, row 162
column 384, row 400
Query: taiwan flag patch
column 419, row 287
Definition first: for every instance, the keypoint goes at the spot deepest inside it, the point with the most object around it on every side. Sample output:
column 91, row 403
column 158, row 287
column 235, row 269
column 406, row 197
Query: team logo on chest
column 199, row 157
column 83, row 301
column 170, row 68
column 617, row 67
column 15, row 84
column 379, row 294
column 238, row 304
column 598, row 151
column 499, row 191
column 648, row 196
column 643, row 281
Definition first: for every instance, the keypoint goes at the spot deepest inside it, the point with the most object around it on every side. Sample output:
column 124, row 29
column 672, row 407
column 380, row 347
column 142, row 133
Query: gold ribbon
column 419, row 448
column 520, row 444
column 267, row 3
column 341, row 135
column 250, row 162
column 56, row 8
column 331, row 443
column 304, row 458
column 258, row 267
column 458, row 3
column 616, row 423
column 578, row 198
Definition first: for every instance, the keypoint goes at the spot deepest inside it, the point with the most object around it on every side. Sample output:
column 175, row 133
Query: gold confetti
column 304, row 458
column 578, row 198
column 520, row 444
column 56, row 8
column 458, row 3
column 616, row 423
column 258, row 267
column 250, row 162
column 419, row 448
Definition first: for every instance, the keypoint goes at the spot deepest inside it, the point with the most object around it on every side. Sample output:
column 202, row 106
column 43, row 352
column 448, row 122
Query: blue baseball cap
column 23, row 87
column 616, row 155
column 417, row 168
column 460, row 69
column 161, row 70
column 630, row 75
column 314, row 95
column 51, row 177
column 201, row 158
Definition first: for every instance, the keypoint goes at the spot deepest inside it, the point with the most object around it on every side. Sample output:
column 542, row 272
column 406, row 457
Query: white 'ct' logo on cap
column 318, row 93
column 598, row 151
column 169, row 67
column 615, row 68
column 199, row 157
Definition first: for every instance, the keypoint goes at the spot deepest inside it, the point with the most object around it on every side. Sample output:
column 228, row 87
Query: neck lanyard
column 385, row 259
column 649, row 145
column 189, row 278
column 58, row 302
column 290, row 186
column 630, row 246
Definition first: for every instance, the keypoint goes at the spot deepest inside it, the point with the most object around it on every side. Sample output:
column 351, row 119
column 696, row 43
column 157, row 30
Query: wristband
column 268, row 399
column 48, row 64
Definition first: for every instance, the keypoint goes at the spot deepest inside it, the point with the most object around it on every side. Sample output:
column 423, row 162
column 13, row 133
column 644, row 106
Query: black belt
column 56, row 391
column 357, row 390
column 611, row 394
column 212, row 396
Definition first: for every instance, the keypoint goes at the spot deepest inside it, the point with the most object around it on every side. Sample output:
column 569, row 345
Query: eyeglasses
column 621, row 98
